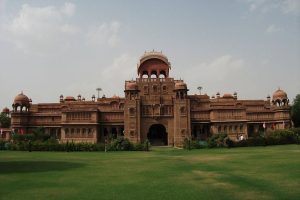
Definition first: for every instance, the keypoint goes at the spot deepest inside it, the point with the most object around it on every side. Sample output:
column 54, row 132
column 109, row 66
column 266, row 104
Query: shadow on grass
column 36, row 166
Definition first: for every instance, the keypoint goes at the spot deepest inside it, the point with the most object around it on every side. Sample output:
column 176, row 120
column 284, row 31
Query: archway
column 157, row 135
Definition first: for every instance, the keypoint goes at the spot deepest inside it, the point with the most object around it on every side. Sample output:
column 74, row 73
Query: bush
column 2, row 145
column 258, row 141
column 187, row 144
column 276, row 137
column 119, row 144
column 218, row 140
column 194, row 144
column 281, row 137
column 138, row 147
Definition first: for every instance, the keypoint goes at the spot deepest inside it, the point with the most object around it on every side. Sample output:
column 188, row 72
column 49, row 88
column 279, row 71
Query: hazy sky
column 48, row 48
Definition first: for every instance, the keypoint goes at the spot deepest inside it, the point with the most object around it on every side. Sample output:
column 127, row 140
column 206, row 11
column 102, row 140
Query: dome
column 5, row 110
column 153, row 63
column 22, row 99
column 279, row 95
column 180, row 86
column 227, row 96
column 154, row 54
column 70, row 98
column 131, row 85
column 115, row 97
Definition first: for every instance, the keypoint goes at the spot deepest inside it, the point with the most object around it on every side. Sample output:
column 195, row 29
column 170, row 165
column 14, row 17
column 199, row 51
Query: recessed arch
column 157, row 135
column 145, row 74
column 162, row 74
column 153, row 74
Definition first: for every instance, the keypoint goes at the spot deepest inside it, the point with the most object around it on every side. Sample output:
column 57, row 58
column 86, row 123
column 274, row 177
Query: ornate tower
column 281, row 108
column 181, row 114
column 132, row 112
column 20, row 113
column 156, row 106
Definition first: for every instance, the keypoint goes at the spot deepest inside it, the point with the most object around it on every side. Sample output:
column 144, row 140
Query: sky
column 54, row 47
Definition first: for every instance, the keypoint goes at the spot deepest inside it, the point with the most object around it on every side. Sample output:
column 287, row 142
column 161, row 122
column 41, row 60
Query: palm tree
column 98, row 90
column 199, row 88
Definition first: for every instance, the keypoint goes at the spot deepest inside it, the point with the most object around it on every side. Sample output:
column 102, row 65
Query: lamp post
column 98, row 90
column 199, row 88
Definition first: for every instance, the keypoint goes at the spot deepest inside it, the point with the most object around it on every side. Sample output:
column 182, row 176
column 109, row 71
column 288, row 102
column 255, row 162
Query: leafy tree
column 39, row 134
column 4, row 121
column 296, row 111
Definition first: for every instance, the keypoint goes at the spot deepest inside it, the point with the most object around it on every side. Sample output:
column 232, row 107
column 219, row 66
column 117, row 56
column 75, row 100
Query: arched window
column 241, row 128
column 114, row 105
column 164, row 88
column 131, row 111
column 182, row 132
column 155, row 88
column 145, row 74
column 146, row 89
column 235, row 128
column 131, row 133
column 182, row 110
column 162, row 74
column 154, row 74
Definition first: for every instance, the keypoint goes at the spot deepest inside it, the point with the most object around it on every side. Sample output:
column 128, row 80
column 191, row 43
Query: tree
column 4, row 120
column 295, row 111
column 39, row 134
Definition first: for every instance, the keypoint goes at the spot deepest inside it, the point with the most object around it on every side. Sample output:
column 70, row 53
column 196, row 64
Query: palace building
column 155, row 107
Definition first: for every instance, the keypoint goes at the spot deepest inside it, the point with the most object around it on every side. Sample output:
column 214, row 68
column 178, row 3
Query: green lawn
column 164, row 173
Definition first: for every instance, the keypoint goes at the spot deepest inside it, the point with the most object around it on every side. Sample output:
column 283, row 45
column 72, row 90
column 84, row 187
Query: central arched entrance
column 157, row 135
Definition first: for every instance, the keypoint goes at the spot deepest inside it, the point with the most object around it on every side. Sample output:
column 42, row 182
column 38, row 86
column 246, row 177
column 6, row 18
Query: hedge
column 277, row 137
column 119, row 144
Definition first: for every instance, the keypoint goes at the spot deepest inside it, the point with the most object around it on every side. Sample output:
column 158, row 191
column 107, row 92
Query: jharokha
column 155, row 107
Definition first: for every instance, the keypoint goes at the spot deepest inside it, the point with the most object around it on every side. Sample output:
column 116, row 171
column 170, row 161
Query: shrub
column 187, row 144
column 120, row 144
column 2, row 145
column 281, row 137
column 217, row 140
column 258, row 141
column 138, row 147
column 194, row 144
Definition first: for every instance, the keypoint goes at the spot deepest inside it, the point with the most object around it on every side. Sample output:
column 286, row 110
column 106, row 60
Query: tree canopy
column 4, row 121
column 296, row 111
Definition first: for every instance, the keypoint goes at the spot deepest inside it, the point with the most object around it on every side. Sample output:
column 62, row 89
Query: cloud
column 47, row 31
column 291, row 6
column 222, row 72
column 221, row 67
column 273, row 29
column 265, row 6
column 122, row 68
column 105, row 34
column 113, row 76
column 40, row 30
column 2, row 5
column 68, row 9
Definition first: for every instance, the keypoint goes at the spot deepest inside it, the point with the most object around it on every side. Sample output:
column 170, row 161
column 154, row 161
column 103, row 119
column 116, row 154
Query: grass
column 164, row 173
